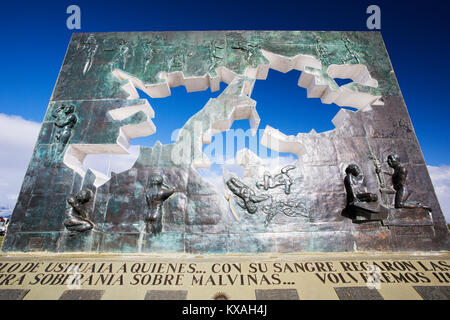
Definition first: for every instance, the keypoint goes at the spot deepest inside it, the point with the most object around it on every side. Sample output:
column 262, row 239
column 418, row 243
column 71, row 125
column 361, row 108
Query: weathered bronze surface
column 95, row 109
column 77, row 218
column 281, row 179
column 65, row 120
column 247, row 198
column 157, row 193
column 399, row 183
column 361, row 206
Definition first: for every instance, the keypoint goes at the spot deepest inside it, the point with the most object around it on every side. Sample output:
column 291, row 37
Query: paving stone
column 433, row 292
column 82, row 295
column 166, row 295
column 276, row 294
column 13, row 294
column 358, row 293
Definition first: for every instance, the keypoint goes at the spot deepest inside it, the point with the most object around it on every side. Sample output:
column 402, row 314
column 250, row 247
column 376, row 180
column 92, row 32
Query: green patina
column 196, row 217
column 149, row 55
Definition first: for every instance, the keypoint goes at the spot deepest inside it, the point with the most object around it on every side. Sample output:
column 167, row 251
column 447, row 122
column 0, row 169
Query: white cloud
column 441, row 181
column 17, row 139
column 18, row 132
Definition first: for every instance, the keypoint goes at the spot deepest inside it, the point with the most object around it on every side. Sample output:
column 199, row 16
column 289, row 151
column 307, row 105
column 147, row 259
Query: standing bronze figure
column 65, row 119
column 158, row 193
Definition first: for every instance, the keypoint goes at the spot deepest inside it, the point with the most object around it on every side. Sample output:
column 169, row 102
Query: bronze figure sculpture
column 65, row 119
column 353, row 186
column 90, row 48
column 77, row 218
column 361, row 206
column 399, row 183
column 102, row 102
column 247, row 198
column 281, row 179
column 158, row 193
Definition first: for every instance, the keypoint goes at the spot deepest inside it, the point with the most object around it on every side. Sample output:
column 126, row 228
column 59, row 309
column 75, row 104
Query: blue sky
column 35, row 38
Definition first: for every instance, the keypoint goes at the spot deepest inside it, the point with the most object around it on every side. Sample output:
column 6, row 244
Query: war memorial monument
column 355, row 216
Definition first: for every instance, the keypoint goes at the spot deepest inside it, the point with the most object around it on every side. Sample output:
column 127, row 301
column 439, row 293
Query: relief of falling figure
column 288, row 207
column 90, row 49
column 252, row 54
column 121, row 58
column 281, row 179
column 246, row 197
column 322, row 51
column 348, row 44
column 179, row 59
column 148, row 54
column 215, row 58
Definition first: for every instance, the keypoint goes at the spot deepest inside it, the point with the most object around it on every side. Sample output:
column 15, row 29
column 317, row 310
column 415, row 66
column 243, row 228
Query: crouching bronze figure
column 77, row 218
column 399, row 184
